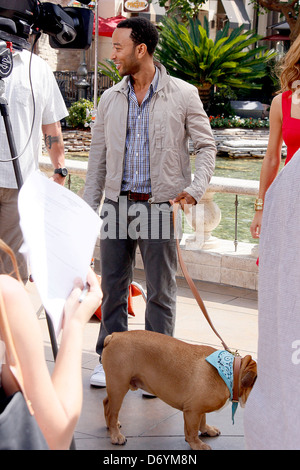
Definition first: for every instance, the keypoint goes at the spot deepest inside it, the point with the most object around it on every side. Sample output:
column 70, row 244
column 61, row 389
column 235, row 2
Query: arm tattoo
column 50, row 140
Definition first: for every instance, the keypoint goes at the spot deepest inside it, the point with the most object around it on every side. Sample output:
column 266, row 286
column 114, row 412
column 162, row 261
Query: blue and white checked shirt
column 136, row 176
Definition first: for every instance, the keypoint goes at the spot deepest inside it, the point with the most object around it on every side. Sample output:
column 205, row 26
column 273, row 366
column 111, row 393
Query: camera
column 69, row 27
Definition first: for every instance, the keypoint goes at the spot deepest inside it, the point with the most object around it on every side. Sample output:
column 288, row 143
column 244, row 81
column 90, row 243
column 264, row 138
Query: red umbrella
column 108, row 25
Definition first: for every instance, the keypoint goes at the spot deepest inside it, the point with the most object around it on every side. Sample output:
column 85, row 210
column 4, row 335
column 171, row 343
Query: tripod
column 9, row 132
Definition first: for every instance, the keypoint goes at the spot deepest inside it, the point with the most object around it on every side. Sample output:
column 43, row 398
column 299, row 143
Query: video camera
column 69, row 27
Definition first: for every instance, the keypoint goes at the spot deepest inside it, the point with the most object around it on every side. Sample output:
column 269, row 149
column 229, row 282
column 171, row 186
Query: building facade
column 218, row 12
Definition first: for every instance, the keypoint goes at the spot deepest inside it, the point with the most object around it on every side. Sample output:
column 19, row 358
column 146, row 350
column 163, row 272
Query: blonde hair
column 4, row 247
column 290, row 67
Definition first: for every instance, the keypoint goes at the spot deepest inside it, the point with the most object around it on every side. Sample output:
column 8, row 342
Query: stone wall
column 230, row 142
column 243, row 143
column 77, row 141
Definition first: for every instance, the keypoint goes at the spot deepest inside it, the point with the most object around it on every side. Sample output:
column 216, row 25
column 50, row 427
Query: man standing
column 35, row 106
column 139, row 156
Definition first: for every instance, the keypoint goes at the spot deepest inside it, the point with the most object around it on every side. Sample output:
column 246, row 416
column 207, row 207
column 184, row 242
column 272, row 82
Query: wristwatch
column 61, row 171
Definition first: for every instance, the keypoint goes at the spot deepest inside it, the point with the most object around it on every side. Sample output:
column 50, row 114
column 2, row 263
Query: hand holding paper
column 60, row 232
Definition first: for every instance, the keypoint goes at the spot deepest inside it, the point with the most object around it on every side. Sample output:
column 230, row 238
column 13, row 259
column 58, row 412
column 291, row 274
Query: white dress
column 272, row 413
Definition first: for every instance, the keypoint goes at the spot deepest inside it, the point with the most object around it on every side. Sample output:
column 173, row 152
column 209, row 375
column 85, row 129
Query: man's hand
column 58, row 178
column 184, row 198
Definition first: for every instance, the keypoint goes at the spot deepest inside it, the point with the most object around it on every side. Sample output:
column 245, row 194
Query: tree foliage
column 288, row 9
column 182, row 8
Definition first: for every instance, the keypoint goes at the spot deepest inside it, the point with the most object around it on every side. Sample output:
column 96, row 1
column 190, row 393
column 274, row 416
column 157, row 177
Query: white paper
column 60, row 231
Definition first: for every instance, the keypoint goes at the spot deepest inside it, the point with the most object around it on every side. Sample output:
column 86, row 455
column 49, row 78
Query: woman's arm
column 56, row 401
column 271, row 161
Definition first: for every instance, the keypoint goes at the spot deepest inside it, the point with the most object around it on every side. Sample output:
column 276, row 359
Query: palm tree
column 109, row 70
column 187, row 53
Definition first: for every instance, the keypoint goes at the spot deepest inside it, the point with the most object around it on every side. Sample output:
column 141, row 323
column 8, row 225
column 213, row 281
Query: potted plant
column 233, row 60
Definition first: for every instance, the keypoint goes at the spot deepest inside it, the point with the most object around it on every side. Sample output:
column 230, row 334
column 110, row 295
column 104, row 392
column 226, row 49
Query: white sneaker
column 148, row 394
column 98, row 376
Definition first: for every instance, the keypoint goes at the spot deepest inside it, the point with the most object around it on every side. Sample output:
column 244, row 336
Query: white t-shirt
column 49, row 108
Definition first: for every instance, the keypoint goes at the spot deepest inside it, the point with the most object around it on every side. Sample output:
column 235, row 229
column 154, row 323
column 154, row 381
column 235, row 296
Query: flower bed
column 237, row 121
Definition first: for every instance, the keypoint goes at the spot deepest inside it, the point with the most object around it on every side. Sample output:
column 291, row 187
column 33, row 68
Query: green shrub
column 231, row 60
column 80, row 113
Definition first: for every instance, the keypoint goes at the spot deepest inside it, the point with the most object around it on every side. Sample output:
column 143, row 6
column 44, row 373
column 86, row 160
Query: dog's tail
column 107, row 340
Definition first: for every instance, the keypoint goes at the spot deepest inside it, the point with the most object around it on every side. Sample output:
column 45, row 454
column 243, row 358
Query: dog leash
column 191, row 282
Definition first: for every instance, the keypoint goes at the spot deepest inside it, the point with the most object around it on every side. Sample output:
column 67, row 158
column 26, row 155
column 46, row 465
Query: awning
column 276, row 37
column 108, row 25
column 236, row 13
column 282, row 26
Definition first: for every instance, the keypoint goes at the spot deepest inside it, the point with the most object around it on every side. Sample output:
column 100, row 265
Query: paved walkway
column 148, row 423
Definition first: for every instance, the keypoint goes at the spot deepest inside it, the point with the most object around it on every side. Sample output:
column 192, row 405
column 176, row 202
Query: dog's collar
column 228, row 367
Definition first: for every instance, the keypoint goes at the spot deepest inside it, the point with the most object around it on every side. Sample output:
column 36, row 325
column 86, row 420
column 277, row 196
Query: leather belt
column 135, row 196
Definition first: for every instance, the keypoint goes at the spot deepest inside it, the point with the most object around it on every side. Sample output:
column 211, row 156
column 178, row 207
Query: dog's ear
column 249, row 372
column 248, row 379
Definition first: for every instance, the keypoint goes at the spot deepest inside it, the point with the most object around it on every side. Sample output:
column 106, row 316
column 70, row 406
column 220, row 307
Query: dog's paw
column 199, row 445
column 210, row 431
column 118, row 439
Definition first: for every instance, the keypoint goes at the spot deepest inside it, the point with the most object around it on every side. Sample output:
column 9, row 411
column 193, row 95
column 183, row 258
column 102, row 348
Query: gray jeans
column 126, row 225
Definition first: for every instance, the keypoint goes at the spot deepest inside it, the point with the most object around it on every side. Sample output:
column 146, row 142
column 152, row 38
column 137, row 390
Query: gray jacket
column 176, row 113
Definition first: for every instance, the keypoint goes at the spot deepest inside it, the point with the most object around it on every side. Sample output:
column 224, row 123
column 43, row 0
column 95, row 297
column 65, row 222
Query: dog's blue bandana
column 223, row 362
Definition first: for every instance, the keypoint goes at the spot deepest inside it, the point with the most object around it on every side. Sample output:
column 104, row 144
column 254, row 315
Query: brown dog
column 174, row 371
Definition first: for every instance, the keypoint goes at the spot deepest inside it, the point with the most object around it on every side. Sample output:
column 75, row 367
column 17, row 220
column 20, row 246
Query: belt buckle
column 129, row 196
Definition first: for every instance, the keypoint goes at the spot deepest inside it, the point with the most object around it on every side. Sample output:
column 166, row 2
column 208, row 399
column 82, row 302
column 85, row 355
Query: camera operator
column 36, row 107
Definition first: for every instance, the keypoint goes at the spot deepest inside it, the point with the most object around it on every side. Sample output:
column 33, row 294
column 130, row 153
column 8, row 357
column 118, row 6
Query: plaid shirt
column 136, row 176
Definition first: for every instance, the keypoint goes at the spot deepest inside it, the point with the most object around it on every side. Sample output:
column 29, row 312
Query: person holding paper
column 139, row 156
column 60, row 230
column 56, row 399
column 29, row 118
